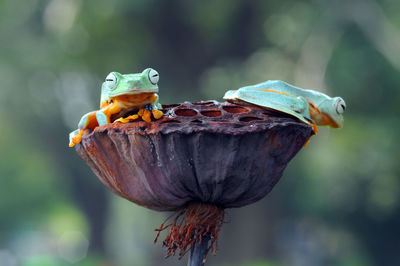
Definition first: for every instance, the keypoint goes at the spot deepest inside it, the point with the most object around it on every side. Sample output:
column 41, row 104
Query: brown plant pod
column 218, row 154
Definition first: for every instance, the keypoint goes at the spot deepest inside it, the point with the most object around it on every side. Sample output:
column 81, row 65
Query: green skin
column 117, row 85
column 309, row 106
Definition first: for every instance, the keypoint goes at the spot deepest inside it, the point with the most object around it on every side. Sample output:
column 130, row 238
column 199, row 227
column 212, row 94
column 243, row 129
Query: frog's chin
column 339, row 124
column 333, row 122
column 133, row 92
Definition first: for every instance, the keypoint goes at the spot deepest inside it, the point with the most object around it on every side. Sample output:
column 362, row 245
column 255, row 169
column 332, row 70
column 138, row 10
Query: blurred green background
column 338, row 201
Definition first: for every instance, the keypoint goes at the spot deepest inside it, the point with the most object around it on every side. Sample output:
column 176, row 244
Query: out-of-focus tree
column 338, row 203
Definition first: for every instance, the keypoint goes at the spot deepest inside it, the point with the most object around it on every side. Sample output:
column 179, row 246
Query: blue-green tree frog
column 122, row 94
column 311, row 107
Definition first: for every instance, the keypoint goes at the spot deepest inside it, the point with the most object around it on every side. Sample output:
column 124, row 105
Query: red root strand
column 191, row 224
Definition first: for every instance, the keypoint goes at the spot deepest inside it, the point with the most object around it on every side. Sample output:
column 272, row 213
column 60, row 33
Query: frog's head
column 331, row 112
column 117, row 84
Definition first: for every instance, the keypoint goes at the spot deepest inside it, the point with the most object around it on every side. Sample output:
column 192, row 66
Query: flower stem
column 197, row 255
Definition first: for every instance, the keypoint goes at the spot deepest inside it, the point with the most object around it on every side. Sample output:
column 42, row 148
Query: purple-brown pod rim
column 223, row 154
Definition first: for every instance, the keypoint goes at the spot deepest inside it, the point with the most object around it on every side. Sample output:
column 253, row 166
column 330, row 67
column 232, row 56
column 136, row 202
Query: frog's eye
column 111, row 81
column 340, row 106
column 153, row 76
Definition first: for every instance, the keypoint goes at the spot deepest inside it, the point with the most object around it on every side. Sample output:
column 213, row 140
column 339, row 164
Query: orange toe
column 146, row 116
column 127, row 119
column 132, row 117
column 77, row 139
column 122, row 120
column 157, row 114
column 141, row 112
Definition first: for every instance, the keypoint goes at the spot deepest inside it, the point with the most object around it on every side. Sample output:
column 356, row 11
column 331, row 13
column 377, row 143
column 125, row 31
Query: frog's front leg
column 156, row 111
column 156, row 104
column 102, row 118
column 87, row 121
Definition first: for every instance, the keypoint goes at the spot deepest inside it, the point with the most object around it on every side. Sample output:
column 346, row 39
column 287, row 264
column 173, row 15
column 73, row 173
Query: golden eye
column 111, row 81
column 153, row 76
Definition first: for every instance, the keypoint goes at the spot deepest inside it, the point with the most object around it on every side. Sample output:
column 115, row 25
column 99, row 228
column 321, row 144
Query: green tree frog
column 122, row 94
column 311, row 107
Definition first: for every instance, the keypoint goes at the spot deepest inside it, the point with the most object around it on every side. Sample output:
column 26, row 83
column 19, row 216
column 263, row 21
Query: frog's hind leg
column 281, row 102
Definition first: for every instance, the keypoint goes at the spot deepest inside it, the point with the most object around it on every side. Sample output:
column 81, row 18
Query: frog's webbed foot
column 154, row 109
column 127, row 119
column 146, row 112
column 75, row 137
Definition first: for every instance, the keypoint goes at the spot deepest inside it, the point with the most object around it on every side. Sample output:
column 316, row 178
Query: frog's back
column 286, row 88
column 276, row 85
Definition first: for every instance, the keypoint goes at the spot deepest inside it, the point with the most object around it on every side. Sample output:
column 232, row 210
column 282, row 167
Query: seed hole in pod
column 204, row 103
column 170, row 121
column 249, row 118
column 234, row 109
column 211, row 113
column 185, row 112
column 197, row 121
